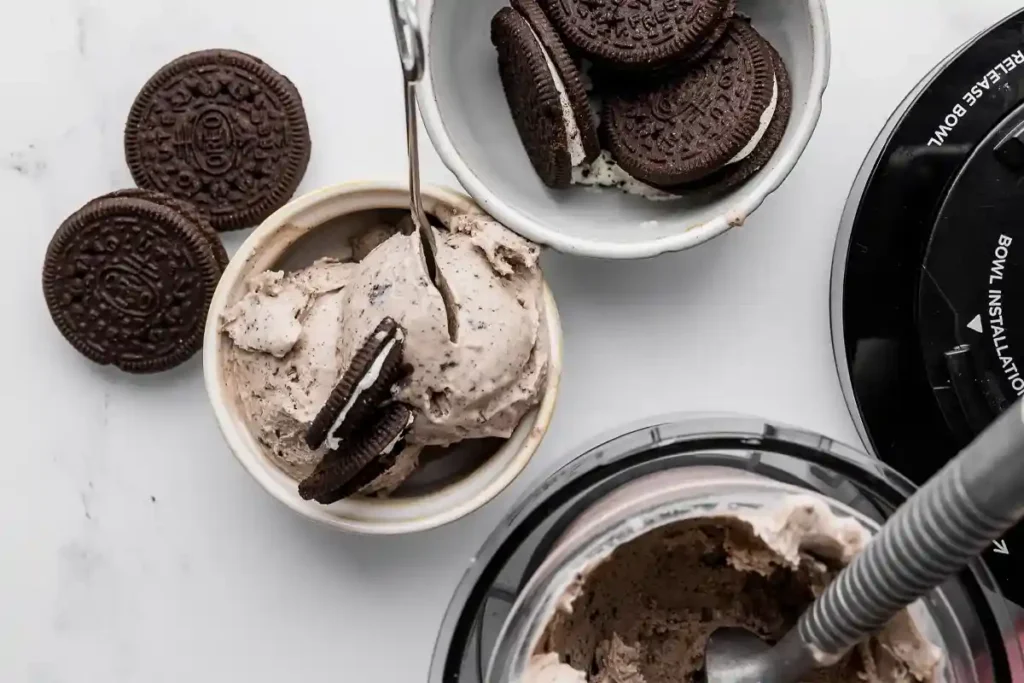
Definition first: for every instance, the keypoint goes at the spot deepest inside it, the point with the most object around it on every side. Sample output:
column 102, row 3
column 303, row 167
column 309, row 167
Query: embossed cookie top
column 222, row 130
column 735, row 174
column 633, row 33
column 188, row 211
column 128, row 283
column 693, row 124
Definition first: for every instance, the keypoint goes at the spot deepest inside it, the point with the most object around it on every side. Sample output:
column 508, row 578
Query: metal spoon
column 410, row 51
column 973, row 501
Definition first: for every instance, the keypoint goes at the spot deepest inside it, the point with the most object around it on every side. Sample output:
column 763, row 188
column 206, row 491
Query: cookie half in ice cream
column 368, row 382
column 545, row 93
column 361, row 459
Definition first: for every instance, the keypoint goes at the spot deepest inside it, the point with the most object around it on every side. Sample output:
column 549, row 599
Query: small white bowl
column 467, row 117
column 330, row 217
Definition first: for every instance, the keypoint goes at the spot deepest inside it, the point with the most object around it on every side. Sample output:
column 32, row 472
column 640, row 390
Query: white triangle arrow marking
column 975, row 324
column 1001, row 548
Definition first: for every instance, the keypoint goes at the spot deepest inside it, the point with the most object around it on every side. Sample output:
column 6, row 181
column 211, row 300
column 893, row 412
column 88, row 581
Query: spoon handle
column 412, row 136
column 410, row 53
column 976, row 498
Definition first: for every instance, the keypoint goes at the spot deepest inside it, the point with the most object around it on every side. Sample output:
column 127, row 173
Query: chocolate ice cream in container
column 621, row 563
column 312, row 284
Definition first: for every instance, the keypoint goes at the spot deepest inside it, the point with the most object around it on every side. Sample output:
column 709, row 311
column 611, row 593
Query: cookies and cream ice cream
column 284, row 360
column 484, row 384
column 294, row 334
column 644, row 614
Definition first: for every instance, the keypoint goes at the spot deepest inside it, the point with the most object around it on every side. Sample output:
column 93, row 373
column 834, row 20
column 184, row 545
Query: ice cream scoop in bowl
column 290, row 323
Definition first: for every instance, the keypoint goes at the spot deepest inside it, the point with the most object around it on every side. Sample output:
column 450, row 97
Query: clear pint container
column 654, row 475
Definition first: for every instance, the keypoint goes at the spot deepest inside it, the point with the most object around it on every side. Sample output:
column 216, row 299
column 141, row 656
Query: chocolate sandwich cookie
column 708, row 42
column 187, row 210
column 222, row 130
column 533, row 97
column 735, row 174
column 364, row 386
column 569, row 77
column 129, row 282
column 696, row 122
column 368, row 454
column 638, row 34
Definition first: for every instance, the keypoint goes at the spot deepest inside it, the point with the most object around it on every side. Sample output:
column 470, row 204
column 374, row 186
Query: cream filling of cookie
column 766, row 119
column 402, row 433
column 574, row 139
column 367, row 381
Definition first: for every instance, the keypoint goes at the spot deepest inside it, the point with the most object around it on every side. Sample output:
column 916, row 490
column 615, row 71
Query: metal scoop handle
column 410, row 52
column 973, row 501
column 408, row 37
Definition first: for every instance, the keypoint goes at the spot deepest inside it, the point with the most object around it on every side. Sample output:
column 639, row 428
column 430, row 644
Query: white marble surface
column 133, row 548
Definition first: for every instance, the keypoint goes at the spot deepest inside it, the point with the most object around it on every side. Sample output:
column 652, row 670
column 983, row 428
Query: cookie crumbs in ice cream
column 293, row 334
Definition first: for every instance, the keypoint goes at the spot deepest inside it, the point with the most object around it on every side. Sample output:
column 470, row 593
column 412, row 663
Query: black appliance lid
column 928, row 267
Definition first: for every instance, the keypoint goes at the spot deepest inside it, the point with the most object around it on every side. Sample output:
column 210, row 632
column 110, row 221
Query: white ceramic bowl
column 321, row 224
column 467, row 117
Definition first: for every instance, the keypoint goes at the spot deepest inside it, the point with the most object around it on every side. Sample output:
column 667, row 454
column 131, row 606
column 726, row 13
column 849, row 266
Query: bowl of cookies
column 334, row 376
column 622, row 129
